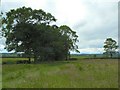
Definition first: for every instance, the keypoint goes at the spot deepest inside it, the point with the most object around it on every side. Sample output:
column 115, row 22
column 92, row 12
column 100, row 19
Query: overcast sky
column 93, row 20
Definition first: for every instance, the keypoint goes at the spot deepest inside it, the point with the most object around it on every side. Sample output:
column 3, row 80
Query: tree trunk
column 69, row 57
column 35, row 59
column 29, row 59
column 111, row 55
column 66, row 56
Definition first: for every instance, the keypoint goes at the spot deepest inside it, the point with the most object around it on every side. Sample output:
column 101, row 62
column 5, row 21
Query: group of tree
column 31, row 32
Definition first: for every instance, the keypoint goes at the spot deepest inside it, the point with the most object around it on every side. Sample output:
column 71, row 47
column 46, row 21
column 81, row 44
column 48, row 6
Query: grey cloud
column 100, row 23
column 8, row 5
column 2, row 44
column 96, row 43
column 79, row 25
column 2, row 41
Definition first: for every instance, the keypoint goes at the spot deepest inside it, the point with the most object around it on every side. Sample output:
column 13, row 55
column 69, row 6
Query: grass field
column 91, row 73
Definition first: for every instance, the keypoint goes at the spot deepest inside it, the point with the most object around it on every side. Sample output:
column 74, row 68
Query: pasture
column 81, row 73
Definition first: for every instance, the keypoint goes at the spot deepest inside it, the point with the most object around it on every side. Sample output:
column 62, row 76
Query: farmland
column 81, row 73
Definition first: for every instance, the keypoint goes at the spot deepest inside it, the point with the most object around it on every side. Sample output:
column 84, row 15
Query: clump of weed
column 64, row 67
column 89, row 65
column 79, row 67
column 106, row 64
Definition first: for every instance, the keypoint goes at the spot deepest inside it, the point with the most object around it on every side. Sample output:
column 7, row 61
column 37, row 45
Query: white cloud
column 101, row 24
column 91, row 50
column 70, row 11
column 1, row 48
column 93, row 20
column 35, row 4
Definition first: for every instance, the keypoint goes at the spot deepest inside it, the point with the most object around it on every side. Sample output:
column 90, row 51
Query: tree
column 21, row 29
column 1, row 24
column 30, row 31
column 69, row 39
column 110, row 47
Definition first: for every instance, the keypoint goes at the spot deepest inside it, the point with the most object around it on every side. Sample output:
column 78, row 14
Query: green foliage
column 110, row 47
column 61, row 74
column 30, row 31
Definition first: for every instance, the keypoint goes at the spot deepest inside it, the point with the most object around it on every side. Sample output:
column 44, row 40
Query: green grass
column 62, row 74
column 81, row 57
column 13, row 60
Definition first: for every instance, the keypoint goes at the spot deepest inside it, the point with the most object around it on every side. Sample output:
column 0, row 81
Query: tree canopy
column 110, row 47
column 30, row 31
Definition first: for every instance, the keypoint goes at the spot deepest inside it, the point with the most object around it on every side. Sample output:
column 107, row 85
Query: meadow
column 81, row 73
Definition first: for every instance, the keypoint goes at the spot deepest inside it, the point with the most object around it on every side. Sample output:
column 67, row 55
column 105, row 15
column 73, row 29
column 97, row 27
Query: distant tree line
column 32, row 32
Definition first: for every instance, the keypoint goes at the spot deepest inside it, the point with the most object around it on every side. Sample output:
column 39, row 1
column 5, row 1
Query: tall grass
column 62, row 74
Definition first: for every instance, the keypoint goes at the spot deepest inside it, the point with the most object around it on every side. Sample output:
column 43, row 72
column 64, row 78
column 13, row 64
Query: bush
column 7, row 63
column 4, row 63
column 23, row 62
column 73, row 59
